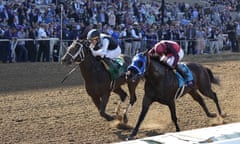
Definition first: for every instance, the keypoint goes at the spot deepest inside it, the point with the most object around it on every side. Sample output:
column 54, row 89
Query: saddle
column 115, row 66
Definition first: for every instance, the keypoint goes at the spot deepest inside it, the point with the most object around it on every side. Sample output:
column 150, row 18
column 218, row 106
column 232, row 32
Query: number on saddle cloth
column 116, row 67
column 187, row 71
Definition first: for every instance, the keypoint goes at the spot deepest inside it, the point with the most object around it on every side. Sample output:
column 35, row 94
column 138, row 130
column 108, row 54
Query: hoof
column 223, row 115
column 130, row 138
column 212, row 115
column 109, row 118
column 118, row 117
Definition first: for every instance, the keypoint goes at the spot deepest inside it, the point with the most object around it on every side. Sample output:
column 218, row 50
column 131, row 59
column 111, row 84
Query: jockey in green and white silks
column 103, row 45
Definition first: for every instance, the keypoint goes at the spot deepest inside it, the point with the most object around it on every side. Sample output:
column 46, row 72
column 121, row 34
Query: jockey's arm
column 103, row 50
column 174, row 53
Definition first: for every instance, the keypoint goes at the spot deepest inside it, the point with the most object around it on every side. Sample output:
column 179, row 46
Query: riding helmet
column 93, row 34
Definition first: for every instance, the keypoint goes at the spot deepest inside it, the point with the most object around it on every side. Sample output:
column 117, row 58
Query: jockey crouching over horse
column 171, row 53
column 107, row 50
column 162, row 84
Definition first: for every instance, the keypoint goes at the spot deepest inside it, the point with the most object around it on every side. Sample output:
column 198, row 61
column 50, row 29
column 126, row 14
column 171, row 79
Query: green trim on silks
column 116, row 68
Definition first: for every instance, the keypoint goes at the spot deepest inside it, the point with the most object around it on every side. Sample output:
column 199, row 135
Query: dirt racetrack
column 35, row 107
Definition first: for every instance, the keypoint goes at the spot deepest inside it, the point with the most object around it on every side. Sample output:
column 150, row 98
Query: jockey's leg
column 184, row 75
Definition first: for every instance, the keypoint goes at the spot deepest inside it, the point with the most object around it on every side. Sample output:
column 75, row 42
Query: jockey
column 103, row 45
column 171, row 53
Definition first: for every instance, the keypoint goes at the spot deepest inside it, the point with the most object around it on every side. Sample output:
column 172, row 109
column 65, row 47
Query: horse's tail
column 213, row 79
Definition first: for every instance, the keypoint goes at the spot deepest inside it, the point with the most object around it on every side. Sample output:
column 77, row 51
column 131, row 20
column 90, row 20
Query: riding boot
column 184, row 75
column 181, row 72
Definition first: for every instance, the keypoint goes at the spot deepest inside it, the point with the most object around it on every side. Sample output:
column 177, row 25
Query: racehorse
column 161, row 85
column 98, row 82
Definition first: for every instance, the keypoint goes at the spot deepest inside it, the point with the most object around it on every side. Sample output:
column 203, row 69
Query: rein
column 69, row 73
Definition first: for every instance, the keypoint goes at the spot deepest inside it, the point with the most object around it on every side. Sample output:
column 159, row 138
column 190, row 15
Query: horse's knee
column 121, row 93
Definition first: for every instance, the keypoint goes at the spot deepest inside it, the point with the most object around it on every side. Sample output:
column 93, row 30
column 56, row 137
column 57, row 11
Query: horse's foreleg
column 145, row 107
column 103, row 105
column 125, row 119
column 196, row 96
column 172, row 109
column 132, row 91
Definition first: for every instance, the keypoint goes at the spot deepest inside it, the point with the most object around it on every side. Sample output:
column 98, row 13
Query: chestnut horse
column 98, row 82
column 161, row 85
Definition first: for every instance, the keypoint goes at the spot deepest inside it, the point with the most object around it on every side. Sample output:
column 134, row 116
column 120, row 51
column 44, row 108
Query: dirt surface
column 35, row 107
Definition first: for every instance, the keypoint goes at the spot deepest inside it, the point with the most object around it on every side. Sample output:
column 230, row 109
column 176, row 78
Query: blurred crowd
column 209, row 26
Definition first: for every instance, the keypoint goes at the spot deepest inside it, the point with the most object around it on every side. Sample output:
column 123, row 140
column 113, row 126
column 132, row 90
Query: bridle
column 79, row 53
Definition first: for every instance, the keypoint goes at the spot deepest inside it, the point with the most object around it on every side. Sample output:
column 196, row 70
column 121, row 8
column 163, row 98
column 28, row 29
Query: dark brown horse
column 98, row 82
column 161, row 85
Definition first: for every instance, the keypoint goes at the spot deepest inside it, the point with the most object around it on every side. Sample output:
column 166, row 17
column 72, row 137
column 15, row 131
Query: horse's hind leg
column 212, row 95
column 172, row 108
column 196, row 96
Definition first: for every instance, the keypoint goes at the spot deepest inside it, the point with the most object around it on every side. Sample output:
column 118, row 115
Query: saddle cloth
column 115, row 67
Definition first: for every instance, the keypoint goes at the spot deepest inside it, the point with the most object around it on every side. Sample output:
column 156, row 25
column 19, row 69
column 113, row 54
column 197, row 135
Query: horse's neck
column 87, row 66
column 91, row 68
column 159, row 71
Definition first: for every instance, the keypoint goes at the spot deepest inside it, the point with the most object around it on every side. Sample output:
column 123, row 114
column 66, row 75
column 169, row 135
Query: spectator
column 213, row 35
column 127, row 40
column 191, row 37
column 31, row 45
column 136, row 36
column 151, row 37
column 21, row 50
column 43, row 54
column 231, row 31
column 9, row 35
column 238, row 31
column 200, row 37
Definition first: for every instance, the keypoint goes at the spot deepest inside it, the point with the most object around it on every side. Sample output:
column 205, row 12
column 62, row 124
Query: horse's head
column 76, row 52
column 138, row 67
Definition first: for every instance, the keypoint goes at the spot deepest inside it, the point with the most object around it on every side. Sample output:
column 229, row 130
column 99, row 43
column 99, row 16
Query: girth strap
column 179, row 92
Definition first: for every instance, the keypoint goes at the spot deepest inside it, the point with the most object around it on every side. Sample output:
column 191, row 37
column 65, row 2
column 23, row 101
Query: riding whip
column 69, row 73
